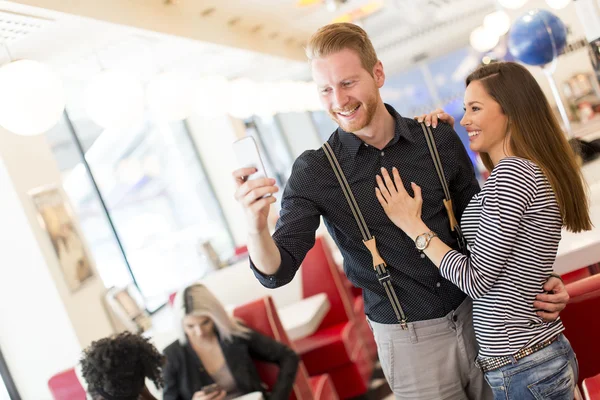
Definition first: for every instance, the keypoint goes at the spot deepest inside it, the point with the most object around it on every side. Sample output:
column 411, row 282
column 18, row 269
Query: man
column 433, row 356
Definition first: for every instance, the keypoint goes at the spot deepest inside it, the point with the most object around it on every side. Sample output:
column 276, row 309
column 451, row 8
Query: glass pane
column 3, row 392
column 86, row 203
column 273, row 142
column 408, row 93
column 324, row 124
column 159, row 199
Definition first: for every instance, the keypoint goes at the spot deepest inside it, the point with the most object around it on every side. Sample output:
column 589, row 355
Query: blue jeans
column 550, row 373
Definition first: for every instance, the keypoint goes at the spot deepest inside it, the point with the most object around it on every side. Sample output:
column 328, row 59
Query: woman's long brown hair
column 536, row 136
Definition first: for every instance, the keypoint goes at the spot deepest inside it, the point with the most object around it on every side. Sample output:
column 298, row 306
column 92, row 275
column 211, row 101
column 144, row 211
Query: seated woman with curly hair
column 116, row 368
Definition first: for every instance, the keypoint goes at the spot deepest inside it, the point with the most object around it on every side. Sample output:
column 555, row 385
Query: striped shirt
column 512, row 227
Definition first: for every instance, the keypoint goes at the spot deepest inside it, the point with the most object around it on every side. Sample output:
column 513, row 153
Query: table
column 578, row 250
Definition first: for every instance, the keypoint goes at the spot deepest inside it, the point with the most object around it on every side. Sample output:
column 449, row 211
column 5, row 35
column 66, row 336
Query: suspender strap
column 379, row 264
column 435, row 156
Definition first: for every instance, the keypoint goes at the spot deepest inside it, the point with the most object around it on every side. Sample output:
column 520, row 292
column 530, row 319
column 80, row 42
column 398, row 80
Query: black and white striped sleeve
column 509, row 192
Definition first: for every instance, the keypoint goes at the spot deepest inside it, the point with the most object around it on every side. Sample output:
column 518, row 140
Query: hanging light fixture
column 211, row 96
column 558, row 4
column 267, row 99
column 483, row 40
column 170, row 96
column 33, row 97
column 114, row 99
column 243, row 95
column 497, row 22
column 512, row 4
column 310, row 96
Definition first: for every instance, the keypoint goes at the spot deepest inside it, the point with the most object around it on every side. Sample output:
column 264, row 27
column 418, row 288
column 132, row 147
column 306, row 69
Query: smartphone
column 247, row 155
column 211, row 388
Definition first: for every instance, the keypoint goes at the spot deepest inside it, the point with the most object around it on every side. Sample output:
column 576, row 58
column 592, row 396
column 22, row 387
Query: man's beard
column 366, row 109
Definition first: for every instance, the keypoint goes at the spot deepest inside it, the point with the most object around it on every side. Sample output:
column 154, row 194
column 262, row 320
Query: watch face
column 421, row 242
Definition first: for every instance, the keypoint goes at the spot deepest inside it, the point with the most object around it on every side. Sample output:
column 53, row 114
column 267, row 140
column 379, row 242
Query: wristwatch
column 422, row 241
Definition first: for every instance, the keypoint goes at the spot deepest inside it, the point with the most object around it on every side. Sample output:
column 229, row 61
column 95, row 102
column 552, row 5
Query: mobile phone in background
column 247, row 155
column 211, row 388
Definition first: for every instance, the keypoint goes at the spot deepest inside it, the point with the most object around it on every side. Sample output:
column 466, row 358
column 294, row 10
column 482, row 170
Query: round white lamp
column 170, row 96
column 512, row 4
column 312, row 102
column 483, row 40
column 267, row 104
column 497, row 22
column 33, row 97
column 114, row 99
column 558, row 4
column 243, row 96
column 211, row 96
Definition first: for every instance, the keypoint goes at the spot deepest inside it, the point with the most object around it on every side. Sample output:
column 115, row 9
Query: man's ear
column 379, row 74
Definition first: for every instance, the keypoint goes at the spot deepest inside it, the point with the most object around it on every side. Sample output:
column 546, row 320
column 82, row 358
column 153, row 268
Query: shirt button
column 382, row 154
column 438, row 284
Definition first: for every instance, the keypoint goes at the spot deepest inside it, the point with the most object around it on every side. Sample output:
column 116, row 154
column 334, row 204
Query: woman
column 116, row 368
column 513, row 227
column 216, row 349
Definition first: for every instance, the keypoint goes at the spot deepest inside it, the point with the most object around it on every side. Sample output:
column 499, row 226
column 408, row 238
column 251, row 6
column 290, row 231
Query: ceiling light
column 512, row 4
column 243, row 93
column 558, row 4
column 497, row 22
column 483, row 40
column 169, row 96
column 114, row 99
column 33, row 97
column 211, row 97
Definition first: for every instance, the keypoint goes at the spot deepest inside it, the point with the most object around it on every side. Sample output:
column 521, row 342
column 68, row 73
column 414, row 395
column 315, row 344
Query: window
column 324, row 124
column 159, row 202
column 273, row 147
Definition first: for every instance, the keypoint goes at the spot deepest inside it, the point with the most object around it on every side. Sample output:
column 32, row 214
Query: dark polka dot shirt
column 313, row 191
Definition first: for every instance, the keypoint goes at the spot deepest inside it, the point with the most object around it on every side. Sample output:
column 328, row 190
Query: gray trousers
column 432, row 359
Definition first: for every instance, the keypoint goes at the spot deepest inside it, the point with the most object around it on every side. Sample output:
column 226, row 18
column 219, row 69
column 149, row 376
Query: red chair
column 262, row 316
column 576, row 275
column 591, row 388
column 337, row 347
column 581, row 325
column 65, row 386
column 241, row 250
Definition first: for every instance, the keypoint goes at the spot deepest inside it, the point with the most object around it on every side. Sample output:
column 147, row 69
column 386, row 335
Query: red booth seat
column 582, row 328
column 262, row 316
column 65, row 386
column 591, row 388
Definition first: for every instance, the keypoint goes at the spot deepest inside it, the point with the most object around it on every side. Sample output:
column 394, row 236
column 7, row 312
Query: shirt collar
column 353, row 143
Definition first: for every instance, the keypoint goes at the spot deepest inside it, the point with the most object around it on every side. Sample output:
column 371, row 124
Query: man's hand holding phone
column 255, row 196
column 254, row 189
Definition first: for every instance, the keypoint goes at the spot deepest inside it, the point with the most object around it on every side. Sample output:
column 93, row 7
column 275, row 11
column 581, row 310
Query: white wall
column 43, row 325
column 36, row 335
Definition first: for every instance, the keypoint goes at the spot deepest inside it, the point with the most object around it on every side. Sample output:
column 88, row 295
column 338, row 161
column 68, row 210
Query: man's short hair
column 336, row 37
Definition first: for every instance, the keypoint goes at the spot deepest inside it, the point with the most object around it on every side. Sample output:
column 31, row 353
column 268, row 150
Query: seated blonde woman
column 213, row 358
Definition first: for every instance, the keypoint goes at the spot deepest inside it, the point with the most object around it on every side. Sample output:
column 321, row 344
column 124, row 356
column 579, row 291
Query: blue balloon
column 537, row 37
